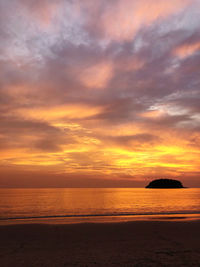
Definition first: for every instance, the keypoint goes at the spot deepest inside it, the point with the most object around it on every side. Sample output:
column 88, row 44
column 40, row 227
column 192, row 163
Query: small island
column 165, row 183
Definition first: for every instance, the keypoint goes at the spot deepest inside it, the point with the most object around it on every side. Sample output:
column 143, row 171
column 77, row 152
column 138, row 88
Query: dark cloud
column 28, row 134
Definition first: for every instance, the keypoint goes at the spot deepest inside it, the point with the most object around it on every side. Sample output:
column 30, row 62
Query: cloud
column 18, row 133
column 97, row 76
column 187, row 50
column 122, row 20
column 109, row 88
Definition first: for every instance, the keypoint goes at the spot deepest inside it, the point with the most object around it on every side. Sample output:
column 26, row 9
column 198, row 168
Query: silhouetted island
column 165, row 183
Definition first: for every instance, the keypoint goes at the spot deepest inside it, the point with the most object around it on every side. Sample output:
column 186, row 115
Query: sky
column 99, row 93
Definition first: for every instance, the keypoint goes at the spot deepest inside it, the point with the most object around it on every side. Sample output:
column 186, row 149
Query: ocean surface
column 75, row 205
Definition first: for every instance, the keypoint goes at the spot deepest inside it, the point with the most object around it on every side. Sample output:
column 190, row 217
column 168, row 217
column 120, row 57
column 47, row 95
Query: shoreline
column 99, row 218
column 135, row 243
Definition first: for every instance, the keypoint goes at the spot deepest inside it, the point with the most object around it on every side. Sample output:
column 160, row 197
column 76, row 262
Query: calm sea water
column 98, row 203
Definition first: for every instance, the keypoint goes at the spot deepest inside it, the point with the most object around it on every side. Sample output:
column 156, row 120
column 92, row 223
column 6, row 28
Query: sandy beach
column 139, row 243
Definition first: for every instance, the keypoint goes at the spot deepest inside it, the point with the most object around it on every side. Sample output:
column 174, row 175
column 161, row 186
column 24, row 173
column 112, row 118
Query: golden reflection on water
column 97, row 201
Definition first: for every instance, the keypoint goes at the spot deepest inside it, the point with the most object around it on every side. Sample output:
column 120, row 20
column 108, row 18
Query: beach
column 136, row 243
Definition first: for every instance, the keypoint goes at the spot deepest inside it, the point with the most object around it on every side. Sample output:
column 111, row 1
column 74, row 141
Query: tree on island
column 165, row 183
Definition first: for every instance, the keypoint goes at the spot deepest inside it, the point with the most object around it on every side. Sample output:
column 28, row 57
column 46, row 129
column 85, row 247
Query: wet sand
column 139, row 243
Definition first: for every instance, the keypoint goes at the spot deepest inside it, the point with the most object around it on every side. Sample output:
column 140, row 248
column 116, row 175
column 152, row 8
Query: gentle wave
column 96, row 215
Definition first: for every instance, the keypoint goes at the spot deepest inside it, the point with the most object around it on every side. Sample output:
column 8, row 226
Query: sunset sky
column 99, row 92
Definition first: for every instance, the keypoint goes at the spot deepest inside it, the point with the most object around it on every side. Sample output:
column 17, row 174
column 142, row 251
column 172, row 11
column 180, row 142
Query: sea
column 99, row 205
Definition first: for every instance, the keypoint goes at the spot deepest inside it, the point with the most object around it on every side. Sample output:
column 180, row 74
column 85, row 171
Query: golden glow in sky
column 94, row 93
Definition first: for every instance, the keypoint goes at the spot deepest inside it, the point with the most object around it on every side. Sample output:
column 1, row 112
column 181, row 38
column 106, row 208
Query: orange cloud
column 43, row 11
column 152, row 114
column 187, row 50
column 59, row 112
column 122, row 21
column 97, row 76
column 132, row 64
